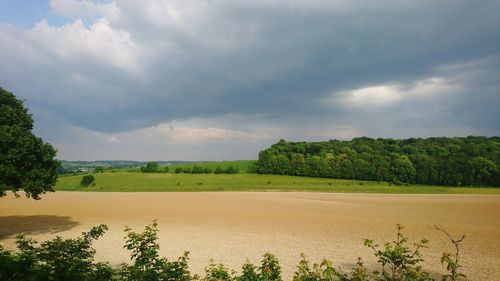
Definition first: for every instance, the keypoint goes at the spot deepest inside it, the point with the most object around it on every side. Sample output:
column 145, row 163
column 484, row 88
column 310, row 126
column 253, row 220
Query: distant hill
column 88, row 166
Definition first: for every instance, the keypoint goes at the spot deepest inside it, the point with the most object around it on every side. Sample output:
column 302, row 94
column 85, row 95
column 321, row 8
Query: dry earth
column 231, row 227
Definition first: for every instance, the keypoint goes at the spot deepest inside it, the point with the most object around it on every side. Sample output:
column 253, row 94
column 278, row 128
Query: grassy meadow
column 123, row 181
column 241, row 165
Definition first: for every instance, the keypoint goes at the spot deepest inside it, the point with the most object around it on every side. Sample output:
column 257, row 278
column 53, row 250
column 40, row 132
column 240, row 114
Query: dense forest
column 470, row 161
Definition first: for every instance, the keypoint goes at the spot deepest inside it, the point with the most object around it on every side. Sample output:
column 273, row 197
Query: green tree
column 440, row 161
column 147, row 263
column 87, row 180
column 231, row 170
column 426, row 168
column 56, row 259
column 26, row 162
column 219, row 170
column 197, row 170
column 345, row 167
column 248, row 273
column 99, row 169
column 217, row 272
column 283, row 165
column 298, row 165
column 270, row 269
column 150, row 167
column 482, row 170
column 403, row 169
column 363, row 170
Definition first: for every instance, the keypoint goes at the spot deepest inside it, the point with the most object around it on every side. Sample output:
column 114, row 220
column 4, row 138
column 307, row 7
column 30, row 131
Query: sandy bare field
column 231, row 227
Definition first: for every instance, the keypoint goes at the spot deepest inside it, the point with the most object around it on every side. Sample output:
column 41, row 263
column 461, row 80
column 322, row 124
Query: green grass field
column 242, row 165
column 137, row 182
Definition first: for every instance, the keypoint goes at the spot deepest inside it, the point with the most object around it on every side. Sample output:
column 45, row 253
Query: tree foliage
column 26, row 162
column 56, row 259
column 470, row 161
column 73, row 259
column 87, row 180
column 99, row 169
column 147, row 263
column 150, row 167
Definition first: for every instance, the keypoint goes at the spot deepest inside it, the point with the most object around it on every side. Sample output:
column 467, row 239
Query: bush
column 270, row 269
column 248, row 273
column 197, row 170
column 73, row 259
column 178, row 170
column 99, row 169
column 147, row 264
column 231, row 170
column 150, row 167
column 87, row 180
column 56, row 259
column 217, row 272
column 398, row 261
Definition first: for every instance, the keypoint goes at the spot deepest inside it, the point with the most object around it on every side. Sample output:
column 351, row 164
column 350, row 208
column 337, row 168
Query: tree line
column 458, row 161
column 153, row 167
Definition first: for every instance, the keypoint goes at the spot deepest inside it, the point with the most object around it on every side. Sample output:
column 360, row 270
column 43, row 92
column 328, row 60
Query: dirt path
column 231, row 227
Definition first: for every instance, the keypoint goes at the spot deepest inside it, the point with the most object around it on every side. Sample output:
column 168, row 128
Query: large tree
column 26, row 162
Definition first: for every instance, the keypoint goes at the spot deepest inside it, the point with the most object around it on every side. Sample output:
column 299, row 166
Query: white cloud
column 372, row 96
column 199, row 135
column 392, row 93
column 198, row 24
column 166, row 141
column 99, row 41
column 113, row 139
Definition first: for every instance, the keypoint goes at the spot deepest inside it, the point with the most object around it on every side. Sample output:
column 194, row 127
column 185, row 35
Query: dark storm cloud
column 140, row 64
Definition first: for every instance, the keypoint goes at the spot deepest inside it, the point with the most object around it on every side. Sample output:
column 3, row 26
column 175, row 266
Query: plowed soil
column 231, row 227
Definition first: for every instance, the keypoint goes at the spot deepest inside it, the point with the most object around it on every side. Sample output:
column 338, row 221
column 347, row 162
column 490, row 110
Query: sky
column 224, row 79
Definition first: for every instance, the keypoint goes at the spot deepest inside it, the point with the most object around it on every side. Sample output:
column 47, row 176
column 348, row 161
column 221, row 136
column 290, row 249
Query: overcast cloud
column 214, row 80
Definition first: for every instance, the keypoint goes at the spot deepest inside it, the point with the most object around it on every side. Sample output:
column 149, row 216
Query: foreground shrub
column 57, row 259
column 270, row 269
column 148, row 265
column 217, row 272
column 398, row 260
column 73, row 259
column 248, row 273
